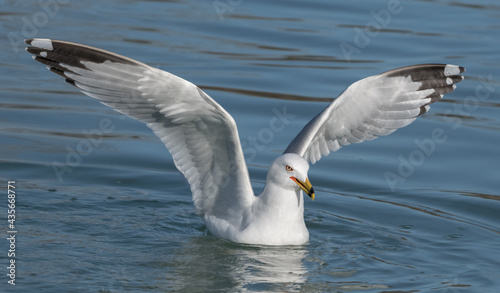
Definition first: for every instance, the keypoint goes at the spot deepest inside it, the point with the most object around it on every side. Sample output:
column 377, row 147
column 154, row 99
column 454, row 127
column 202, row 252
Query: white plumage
column 203, row 139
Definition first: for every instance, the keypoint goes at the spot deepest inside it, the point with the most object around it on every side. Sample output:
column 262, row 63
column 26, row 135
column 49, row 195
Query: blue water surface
column 120, row 217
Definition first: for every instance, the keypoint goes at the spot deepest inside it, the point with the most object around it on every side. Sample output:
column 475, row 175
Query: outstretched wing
column 375, row 106
column 201, row 136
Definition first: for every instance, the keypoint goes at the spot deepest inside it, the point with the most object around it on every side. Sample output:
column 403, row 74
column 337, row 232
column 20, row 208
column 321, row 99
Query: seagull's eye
column 288, row 168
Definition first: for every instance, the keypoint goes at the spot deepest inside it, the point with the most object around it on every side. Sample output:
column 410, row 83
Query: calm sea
column 118, row 217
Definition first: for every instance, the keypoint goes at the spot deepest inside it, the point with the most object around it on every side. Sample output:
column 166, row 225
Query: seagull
column 204, row 143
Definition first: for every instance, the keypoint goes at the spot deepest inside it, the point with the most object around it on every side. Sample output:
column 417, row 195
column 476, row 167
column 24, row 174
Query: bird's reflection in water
column 209, row 264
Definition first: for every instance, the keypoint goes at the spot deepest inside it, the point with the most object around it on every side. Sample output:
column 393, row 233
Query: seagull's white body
column 203, row 139
column 275, row 217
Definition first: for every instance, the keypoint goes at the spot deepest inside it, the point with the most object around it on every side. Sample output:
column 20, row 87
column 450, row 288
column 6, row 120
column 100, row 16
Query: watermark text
column 11, row 232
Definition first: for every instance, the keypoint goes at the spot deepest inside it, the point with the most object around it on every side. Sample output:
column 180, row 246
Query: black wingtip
column 71, row 82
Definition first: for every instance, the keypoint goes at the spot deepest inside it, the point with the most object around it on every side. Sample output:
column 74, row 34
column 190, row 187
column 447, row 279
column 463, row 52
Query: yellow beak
column 306, row 186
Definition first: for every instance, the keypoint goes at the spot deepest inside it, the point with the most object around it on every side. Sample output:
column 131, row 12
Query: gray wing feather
column 201, row 136
column 375, row 106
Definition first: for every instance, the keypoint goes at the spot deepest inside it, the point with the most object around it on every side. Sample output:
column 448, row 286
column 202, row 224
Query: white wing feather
column 375, row 106
column 201, row 136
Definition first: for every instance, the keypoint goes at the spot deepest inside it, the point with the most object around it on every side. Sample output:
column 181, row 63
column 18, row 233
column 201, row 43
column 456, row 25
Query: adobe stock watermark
column 407, row 164
column 363, row 36
column 482, row 92
column 74, row 156
column 31, row 25
column 225, row 6
column 257, row 143
column 11, row 231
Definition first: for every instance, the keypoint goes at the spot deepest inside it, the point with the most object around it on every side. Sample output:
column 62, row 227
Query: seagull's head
column 290, row 171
